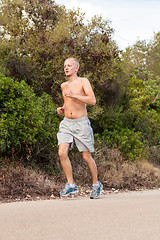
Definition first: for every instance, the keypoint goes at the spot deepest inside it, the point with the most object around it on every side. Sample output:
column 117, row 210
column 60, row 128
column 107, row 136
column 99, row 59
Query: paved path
column 122, row 216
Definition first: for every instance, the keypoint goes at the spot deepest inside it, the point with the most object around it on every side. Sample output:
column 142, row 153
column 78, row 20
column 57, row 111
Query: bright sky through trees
column 132, row 20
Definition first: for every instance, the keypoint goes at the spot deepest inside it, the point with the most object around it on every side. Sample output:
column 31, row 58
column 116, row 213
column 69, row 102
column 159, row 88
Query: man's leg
column 97, row 185
column 65, row 162
column 91, row 165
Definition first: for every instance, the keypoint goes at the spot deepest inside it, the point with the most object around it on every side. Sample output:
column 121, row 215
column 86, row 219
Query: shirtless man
column 75, row 127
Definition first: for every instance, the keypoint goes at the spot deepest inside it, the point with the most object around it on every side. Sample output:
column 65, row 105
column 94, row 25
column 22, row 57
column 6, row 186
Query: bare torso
column 74, row 108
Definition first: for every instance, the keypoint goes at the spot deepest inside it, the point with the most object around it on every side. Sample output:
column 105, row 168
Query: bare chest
column 75, row 88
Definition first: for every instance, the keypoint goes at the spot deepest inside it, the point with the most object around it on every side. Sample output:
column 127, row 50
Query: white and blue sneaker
column 96, row 190
column 68, row 190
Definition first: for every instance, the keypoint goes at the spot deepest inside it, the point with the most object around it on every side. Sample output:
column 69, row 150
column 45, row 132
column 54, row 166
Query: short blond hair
column 75, row 60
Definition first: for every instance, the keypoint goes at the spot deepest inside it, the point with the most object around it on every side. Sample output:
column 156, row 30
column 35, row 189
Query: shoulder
column 84, row 80
column 86, row 85
column 63, row 85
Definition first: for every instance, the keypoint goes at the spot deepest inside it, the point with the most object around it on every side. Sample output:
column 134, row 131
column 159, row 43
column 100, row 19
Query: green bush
column 28, row 124
column 145, row 106
column 134, row 125
column 126, row 140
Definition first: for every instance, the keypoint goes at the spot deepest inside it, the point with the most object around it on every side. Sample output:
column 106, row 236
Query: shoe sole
column 70, row 193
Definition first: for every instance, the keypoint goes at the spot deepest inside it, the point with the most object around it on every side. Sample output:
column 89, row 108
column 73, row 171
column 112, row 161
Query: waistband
column 75, row 119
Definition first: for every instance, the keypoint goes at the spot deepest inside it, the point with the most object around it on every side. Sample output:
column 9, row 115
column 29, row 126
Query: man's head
column 71, row 66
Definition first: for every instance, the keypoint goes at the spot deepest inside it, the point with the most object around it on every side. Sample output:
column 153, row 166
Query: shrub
column 27, row 123
column 134, row 125
column 126, row 140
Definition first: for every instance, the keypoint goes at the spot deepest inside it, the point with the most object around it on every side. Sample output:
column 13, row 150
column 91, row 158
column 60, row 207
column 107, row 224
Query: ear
column 77, row 68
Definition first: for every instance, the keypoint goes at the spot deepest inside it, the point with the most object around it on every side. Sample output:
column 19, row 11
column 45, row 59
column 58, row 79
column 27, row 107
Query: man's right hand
column 60, row 110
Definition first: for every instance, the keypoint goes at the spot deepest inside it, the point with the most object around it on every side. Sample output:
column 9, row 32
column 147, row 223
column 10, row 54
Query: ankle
column 95, row 183
column 72, row 185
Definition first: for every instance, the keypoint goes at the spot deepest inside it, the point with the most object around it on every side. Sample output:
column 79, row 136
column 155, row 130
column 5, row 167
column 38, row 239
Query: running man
column 75, row 127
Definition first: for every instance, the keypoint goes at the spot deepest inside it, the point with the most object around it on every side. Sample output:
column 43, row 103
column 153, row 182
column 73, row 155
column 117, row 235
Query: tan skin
column 77, row 93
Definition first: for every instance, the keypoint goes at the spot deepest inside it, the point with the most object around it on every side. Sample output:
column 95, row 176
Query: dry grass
column 154, row 155
column 117, row 173
column 18, row 183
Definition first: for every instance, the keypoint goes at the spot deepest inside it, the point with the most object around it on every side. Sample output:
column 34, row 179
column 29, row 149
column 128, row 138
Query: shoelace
column 66, row 187
column 94, row 188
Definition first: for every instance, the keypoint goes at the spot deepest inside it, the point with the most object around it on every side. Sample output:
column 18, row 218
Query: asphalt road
column 122, row 216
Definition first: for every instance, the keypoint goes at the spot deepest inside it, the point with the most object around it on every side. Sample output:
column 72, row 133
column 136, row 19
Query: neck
column 72, row 78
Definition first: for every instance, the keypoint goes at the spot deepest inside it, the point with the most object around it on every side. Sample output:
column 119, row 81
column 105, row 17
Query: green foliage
column 142, row 57
column 118, row 132
column 134, row 125
column 27, row 124
column 42, row 35
column 144, row 94
column 134, row 60
column 126, row 140
column 36, row 37
column 153, row 58
column 142, row 89
column 145, row 105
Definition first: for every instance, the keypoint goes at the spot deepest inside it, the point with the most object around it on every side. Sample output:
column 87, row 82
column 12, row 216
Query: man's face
column 70, row 67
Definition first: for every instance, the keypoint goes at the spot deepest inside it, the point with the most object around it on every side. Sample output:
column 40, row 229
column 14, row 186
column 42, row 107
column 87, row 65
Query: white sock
column 96, row 185
column 72, row 185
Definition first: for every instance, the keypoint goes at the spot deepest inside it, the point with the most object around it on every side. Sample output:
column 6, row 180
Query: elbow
column 94, row 102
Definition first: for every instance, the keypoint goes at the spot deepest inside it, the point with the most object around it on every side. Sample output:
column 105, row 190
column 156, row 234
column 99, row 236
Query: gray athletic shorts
column 78, row 131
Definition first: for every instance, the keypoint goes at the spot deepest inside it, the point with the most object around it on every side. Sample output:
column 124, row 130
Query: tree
column 142, row 57
column 42, row 35
column 28, row 46
column 134, row 60
column 153, row 59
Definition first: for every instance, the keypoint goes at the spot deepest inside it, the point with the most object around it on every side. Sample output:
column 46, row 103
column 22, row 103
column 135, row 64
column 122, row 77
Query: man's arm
column 88, row 98
column 60, row 110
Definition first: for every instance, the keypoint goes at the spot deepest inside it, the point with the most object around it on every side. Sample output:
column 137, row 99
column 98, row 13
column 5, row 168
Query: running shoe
column 96, row 190
column 68, row 190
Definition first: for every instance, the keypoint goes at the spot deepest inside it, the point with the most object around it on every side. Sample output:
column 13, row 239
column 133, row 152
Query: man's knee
column 87, row 156
column 63, row 150
column 62, row 153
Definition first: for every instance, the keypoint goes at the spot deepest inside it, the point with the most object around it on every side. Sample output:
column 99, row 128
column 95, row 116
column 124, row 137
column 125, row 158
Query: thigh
column 84, row 138
column 64, row 134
